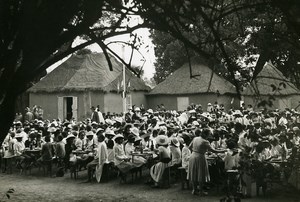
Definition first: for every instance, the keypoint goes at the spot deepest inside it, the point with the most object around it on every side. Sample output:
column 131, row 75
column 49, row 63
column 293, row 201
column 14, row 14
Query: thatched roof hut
column 87, row 72
column 271, row 85
column 204, row 81
column 83, row 81
column 204, row 87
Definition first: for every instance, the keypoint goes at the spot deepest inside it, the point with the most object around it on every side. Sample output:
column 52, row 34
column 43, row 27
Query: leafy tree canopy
column 240, row 36
column 34, row 34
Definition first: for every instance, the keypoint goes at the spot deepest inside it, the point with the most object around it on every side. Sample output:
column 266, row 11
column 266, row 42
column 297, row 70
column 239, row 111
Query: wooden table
column 211, row 160
column 146, row 155
column 77, row 152
column 33, row 151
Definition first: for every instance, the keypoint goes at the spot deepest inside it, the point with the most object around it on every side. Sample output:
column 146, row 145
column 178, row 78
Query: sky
column 147, row 50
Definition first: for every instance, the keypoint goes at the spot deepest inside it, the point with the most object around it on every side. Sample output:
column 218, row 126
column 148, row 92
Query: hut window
column 182, row 103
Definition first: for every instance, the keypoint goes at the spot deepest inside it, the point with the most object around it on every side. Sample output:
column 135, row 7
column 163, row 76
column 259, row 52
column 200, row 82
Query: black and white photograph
column 150, row 100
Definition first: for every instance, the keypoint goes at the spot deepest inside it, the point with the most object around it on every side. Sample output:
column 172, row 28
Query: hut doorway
column 69, row 103
column 67, row 108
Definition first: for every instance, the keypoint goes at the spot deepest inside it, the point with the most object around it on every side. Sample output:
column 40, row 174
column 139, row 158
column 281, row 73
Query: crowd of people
column 242, row 141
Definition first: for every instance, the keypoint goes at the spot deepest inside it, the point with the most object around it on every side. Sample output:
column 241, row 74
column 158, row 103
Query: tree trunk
column 7, row 114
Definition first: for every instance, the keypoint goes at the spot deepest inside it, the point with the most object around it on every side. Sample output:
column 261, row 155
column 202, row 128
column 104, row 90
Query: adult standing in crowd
column 95, row 115
column 100, row 157
column 28, row 115
column 198, row 168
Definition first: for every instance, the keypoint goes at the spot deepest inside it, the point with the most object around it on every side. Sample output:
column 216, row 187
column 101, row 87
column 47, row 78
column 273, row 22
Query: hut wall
column 203, row 99
column 170, row 101
column 138, row 98
column 113, row 103
column 280, row 102
column 108, row 102
column 97, row 98
column 295, row 101
column 49, row 103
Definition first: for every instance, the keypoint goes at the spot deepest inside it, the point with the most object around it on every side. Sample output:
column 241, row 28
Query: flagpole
column 124, row 82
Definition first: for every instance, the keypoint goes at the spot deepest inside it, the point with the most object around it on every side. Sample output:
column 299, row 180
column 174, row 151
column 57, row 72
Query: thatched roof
column 87, row 72
column 205, row 82
column 270, row 81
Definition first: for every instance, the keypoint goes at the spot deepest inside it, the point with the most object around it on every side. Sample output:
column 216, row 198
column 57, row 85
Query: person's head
column 230, row 144
column 162, row 140
column 127, row 128
column 70, row 138
column 19, row 139
column 18, row 125
column 81, row 134
column 75, row 133
column 175, row 142
column 187, row 139
column 19, row 135
column 137, row 141
column 119, row 140
column 131, row 138
column 12, row 134
column 146, row 135
column 47, row 138
column 100, row 137
column 110, row 144
column 259, row 148
column 59, row 138
column 89, row 128
column 64, row 134
column 238, row 127
column 137, row 110
column 154, row 133
column 89, row 136
column 197, row 132
column 206, row 133
column 274, row 142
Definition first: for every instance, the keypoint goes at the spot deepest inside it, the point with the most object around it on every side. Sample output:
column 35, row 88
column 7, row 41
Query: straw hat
column 94, row 123
column 70, row 136
column 223, row 128
column 192, row 111
column 119, row 119
column 150, row 111
column 135, row 131
column 19, row 135
column 52, row 129
column 99, row 129
column 110, row 132
column 162, row 140
column 119, row 136
column 237, row 113
column 144, row 135
column 137, row 138
column 195, row 123
column 131, row 137
column 90, row 133
column 175, row 142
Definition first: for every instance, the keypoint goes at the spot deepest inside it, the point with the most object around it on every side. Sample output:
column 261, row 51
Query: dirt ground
column 35, row 187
